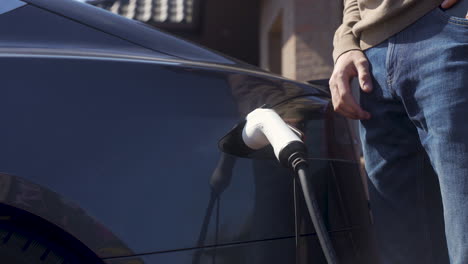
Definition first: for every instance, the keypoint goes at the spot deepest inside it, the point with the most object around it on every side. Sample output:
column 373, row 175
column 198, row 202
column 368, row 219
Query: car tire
column 21, row 247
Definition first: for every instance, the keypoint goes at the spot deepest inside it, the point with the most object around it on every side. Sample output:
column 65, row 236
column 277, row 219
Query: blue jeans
column 419, row 109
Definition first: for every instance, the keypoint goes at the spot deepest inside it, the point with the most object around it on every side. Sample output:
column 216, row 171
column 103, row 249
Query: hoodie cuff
column 344, row 44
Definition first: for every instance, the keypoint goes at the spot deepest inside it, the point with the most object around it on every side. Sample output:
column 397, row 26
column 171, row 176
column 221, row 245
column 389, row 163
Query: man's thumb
column 448, row 3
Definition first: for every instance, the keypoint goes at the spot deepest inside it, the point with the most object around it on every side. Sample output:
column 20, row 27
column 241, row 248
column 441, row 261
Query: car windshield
column 8, row 5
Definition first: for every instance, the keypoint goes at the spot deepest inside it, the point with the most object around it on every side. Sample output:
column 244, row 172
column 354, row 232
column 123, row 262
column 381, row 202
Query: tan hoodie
column 367, row 23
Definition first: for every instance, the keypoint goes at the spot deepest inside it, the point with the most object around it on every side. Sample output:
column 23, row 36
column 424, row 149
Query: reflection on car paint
column 124, row 155
column 23, row 194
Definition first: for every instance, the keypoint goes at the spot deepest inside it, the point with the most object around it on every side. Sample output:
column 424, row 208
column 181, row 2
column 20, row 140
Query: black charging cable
column 298, row 163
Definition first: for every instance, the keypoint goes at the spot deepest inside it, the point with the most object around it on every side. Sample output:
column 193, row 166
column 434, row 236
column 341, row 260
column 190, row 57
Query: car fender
column 55, row 209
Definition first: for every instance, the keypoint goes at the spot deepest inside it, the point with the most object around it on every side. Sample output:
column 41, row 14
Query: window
column 9, row 5
column 166, row 14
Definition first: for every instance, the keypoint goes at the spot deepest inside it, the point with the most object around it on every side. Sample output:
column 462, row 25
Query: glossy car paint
column 9, row 5
column 133, row 31
column 115, row 141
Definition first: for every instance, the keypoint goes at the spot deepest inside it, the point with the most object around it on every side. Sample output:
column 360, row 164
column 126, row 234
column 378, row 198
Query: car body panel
column 277, row 251
column 9, row 5
column 55, row 209
column 129, row 137
column 115, row 113
column 130, row 30
column 31, row 27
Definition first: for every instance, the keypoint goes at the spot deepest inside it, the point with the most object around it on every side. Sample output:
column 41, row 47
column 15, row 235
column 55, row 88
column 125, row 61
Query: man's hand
column 349, row 65
column 448, row 3
column 354, row 64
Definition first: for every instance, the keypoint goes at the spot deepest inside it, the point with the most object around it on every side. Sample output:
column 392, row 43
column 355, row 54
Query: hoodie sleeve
column 344, row 39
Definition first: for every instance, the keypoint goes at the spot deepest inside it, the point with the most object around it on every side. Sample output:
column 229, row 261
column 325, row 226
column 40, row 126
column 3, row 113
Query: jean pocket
column 455, row 20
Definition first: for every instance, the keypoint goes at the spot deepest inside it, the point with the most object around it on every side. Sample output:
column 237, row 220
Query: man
column 411, row 59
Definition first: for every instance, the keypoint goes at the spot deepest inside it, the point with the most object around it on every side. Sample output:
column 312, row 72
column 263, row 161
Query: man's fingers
column 345, row 103
column 338, row 104
column 448, row 3
column 347, row 115
column 342, row 108
column 345, row 110
column 365, row 81
column 355, row 110
column 349, row 65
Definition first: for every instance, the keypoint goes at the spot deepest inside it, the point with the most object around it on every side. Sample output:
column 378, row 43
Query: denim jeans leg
column 395, row 163
column 433, row 84
column 420, row 99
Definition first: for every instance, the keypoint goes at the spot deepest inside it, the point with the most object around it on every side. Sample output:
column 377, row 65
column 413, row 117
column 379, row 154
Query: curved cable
column 316, row 216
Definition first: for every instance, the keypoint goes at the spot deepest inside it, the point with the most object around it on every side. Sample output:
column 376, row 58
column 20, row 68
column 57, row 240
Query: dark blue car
column 109, row 146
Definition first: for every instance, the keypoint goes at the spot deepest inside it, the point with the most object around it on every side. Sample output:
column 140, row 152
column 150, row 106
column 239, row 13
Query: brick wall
column 270, row 11
column 230, row 27
column 307, row 34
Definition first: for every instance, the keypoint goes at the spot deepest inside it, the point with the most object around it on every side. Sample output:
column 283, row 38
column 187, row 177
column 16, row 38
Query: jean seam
column 389, row 62
column 422, row 196
column 458, row 21
column 421, row 193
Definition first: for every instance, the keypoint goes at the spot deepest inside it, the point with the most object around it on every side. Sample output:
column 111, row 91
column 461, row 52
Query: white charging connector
column 264, row 126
